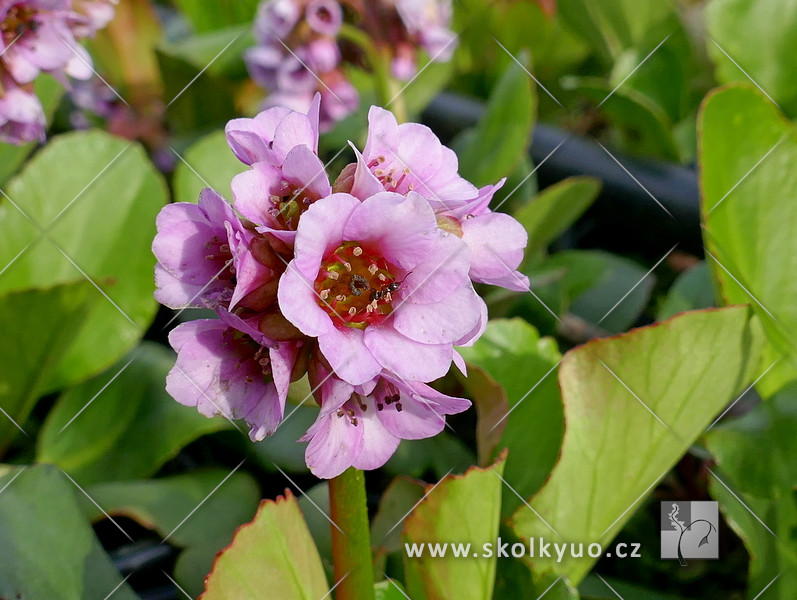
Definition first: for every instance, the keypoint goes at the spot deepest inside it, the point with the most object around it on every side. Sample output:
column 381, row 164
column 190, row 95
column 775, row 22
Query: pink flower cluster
column 364, row 285
column 300, row 50
column 41, row 36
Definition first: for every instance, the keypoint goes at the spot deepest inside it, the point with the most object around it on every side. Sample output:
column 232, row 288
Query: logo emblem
column 689, row 530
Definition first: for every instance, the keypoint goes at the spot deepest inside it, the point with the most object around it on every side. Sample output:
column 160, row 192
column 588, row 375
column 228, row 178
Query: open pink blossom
column 361, row 426
column 410, row 157
column 38, row 36
column 286, row 175
column 226, row 367
column 273, row 133
column 381, row 287
column 193, row 251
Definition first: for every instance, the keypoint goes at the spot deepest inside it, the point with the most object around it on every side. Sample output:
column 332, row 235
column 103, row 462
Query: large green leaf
column 512, row 353
column 121, row 424
column 217, row 506
column 633, row 406
column 209, row 162
column 95, row 198
column 759, row 37
column 38, row 344
column 501, row 138
column 555, row 209
column 749, row 210
column 464, row 509
column 48, row 549
column 274, row 552
column 755, row 456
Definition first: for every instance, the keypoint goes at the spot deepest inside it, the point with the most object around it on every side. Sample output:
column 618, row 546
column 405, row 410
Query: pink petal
column 442, row 322
column 378, row 443
column 347, row 354
column 298, row 302
column 334, row 445
column 407, row 358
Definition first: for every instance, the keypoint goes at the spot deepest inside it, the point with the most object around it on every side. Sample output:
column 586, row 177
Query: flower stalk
column 351, row 543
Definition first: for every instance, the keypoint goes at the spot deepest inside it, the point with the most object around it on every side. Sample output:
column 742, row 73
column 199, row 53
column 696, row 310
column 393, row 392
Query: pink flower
column 38, row 35
column 410, row 157
column 226, row 367
column 381, row 287
column 272, row 134
column 21, row 114
column 429, row 21
column 286, row 175
column 361, row 426
column 194, row 254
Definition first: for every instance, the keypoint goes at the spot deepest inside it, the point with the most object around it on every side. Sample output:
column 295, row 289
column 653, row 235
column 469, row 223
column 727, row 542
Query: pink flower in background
column 297, row 55
column 41, row 36
column 410, row 157
column 428, row 22
column 361, row 426
column 226, row 367
column 381, row 287
column 21, row 115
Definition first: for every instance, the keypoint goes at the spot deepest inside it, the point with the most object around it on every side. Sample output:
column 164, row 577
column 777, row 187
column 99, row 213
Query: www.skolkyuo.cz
column 535, row 548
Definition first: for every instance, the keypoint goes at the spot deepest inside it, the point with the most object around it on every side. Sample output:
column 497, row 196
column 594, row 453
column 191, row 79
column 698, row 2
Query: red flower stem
column 351, row 544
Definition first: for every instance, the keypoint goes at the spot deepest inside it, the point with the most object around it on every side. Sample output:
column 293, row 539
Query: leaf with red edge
column 274, row 555
column 461, row 510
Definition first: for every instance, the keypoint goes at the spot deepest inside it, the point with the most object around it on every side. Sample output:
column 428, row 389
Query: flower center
column 392, row 177
column 356, row 288
column 220, row 253
column 290, row 203
column 252, row 357
column 19, row 19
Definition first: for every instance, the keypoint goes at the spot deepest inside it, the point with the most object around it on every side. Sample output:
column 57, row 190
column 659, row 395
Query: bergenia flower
column 361, row 426
column 381, row 287
column 428, row 22
column 410, row 157
column 194, row 254
column 286, row 175
column 226, row 367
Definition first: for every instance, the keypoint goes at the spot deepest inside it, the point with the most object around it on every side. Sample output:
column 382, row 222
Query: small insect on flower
column 391, row 287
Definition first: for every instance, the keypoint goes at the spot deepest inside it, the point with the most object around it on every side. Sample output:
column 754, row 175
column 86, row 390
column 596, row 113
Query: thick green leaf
column 633, row 406
column 464, row 509
column 555, row 209
column 209, row 162
column 274, row 552
column 748, row 209
column 218, row 52
column 96, row 196
column 512, row 353
column 38, row 344
column 501, row 139
column 48, row 549
column 163, row 505
column 692, row 290
column 759, row 37
column 766, row 482
column 121, row 424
